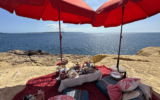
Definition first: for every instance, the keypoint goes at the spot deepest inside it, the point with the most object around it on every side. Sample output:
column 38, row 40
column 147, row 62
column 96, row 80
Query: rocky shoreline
column 17, row 67
column 35, row 58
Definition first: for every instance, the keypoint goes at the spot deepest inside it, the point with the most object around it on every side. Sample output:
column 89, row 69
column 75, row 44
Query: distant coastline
column 71, row 32
column 44, row 32
column 39, row 32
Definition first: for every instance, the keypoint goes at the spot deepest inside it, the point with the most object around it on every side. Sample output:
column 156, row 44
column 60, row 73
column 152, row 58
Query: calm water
column 79, row 43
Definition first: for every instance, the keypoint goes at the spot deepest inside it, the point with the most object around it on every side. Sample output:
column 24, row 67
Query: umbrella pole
column 120, row 40
column 60, row 36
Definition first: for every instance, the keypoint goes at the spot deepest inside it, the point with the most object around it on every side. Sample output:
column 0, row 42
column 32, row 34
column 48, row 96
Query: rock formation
column 17, row 67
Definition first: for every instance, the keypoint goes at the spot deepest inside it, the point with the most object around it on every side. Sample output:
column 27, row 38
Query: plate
column 73, row 74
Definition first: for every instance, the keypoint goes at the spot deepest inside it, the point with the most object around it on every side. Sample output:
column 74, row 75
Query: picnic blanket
column 49, row 85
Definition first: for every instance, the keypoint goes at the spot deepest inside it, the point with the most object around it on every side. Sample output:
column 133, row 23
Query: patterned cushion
column 77, row 94
column 102, row 85
column 128, row 84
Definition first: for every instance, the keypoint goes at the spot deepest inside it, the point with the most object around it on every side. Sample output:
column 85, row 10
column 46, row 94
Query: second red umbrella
column 119, row 12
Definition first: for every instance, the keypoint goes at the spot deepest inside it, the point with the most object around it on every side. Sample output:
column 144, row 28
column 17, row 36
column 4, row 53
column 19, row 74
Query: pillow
column 147, row 90
column 128, row 84
column 130, row 95
column 114, row 92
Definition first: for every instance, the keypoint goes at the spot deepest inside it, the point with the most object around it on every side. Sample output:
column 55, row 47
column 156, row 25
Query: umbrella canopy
column 110, row 13
column 71, row 11
column 119, row 12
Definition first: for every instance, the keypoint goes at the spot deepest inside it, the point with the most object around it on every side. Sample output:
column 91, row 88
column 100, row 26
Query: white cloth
column 147, row 90
column 80, row 80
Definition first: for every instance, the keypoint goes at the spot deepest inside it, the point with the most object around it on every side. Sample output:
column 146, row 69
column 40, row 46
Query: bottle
column 39, row 90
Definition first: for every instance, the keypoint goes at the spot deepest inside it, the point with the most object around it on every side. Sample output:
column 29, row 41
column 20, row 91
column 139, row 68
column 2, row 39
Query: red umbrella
column 119, row 12
column 72, row 11
column 68, row 11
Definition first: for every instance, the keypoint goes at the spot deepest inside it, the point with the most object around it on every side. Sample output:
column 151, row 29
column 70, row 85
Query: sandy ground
column 145, row 65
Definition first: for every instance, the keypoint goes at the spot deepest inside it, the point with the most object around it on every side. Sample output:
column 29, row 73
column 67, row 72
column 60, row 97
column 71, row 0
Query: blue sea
column 79, row 43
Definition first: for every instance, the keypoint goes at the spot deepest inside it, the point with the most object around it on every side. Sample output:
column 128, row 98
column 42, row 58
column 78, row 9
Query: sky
column 11, row 23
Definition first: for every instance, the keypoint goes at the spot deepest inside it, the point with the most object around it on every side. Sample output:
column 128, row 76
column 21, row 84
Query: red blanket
column 50, row 86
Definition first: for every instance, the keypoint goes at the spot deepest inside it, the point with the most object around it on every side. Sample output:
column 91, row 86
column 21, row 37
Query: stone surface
column 17, row 67
column 17, row 57
column 150, row 51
